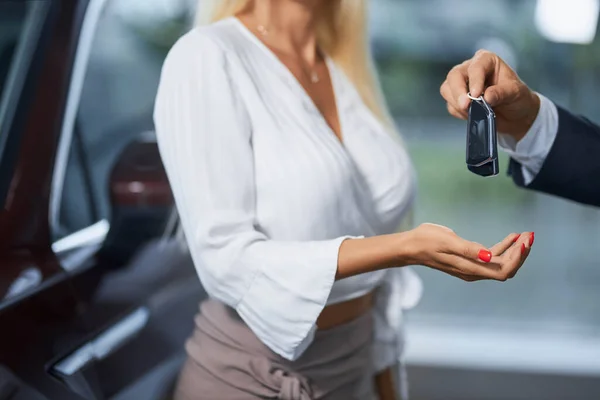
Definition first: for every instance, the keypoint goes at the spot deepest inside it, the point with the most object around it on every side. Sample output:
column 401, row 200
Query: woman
column 290, row 187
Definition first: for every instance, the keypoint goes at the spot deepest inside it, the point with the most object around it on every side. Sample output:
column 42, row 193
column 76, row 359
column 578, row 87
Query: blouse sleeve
column 279, row 288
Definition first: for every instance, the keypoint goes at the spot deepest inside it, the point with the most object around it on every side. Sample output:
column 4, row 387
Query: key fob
column 482, row 140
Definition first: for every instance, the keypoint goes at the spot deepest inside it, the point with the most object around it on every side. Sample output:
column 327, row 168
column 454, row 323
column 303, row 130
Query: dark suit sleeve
column 572, row 168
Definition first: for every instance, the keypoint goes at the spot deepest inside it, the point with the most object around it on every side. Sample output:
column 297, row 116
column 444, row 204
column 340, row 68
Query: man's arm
column 531, row 150
column 565, row 160
column 572, row 167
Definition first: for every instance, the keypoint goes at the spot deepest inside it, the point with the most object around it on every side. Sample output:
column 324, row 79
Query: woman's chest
column 295, row 146
column 302, row 166
column 298, row 156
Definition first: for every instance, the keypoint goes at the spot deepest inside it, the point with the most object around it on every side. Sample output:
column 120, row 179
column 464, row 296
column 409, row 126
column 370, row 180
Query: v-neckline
column 330, row 70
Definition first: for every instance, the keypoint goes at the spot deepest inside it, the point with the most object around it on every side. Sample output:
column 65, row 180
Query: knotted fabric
column 228, row 362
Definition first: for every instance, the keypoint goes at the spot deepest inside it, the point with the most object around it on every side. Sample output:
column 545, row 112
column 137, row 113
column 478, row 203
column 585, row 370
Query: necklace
column 310, row 73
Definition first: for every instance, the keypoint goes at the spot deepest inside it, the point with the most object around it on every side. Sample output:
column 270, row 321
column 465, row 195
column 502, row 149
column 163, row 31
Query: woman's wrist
column 357, row 256
column 406, row 249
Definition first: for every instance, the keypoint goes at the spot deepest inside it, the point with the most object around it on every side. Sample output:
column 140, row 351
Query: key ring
column 481, row 101
column 474, row 98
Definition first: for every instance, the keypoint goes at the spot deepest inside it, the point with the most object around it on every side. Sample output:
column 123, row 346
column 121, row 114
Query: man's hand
column 515, row 105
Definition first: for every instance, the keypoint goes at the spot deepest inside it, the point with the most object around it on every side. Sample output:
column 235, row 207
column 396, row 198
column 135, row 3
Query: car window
column 16, row 44
column 12, row 23
column 7, row 51
column 21, row 23
column 117, row 99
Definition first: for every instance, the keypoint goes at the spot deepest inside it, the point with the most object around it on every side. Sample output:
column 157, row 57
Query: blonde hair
column 341, row 34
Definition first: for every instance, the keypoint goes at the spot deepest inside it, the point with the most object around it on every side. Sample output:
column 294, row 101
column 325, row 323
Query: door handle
column 104, row 344
column 70, row 369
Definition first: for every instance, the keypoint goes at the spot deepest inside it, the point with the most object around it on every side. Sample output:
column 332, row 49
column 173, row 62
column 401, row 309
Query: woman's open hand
column 439, row 247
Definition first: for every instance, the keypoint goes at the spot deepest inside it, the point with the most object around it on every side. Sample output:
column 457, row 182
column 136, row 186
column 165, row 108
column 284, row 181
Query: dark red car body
column 92, row 330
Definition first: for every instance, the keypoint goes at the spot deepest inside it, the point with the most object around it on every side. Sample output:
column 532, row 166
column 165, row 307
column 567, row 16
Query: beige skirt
column 228, row 362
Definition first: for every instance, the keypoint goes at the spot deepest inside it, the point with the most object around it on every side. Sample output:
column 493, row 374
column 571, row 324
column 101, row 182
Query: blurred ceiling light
column 567, row 21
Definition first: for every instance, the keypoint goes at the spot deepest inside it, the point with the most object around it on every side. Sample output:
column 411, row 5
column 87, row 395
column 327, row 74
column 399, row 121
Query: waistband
column 337, row 361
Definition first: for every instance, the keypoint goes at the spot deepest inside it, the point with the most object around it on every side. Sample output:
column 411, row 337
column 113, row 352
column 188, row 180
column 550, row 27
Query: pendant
column 314, row 78
column 262, row 30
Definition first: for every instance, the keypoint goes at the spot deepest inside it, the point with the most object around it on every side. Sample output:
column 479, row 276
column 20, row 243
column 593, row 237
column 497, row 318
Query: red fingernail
column 517, row 238
column 531, row 238
column 522, row 248
column 485, row 255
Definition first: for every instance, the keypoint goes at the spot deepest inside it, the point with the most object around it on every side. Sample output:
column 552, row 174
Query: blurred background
column 534, row 337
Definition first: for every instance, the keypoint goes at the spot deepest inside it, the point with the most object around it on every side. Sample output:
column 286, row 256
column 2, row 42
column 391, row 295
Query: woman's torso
column 310, row 186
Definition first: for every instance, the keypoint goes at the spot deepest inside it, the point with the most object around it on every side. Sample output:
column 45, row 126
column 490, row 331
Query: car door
column 39, row 311
column 112, row 216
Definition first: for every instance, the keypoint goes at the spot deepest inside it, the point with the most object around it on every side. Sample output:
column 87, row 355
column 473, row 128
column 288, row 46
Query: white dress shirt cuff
column 532, row 150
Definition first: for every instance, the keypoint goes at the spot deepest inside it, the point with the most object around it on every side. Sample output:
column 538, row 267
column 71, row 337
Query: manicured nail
column 517, row 238
column 522, row 248
column 531, row 238
column 485, row 255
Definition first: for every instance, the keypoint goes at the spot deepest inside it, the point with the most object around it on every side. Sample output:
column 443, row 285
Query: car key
column 482, row 140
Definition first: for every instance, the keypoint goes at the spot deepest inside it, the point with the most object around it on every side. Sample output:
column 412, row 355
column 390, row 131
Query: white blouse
column 267, row 193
